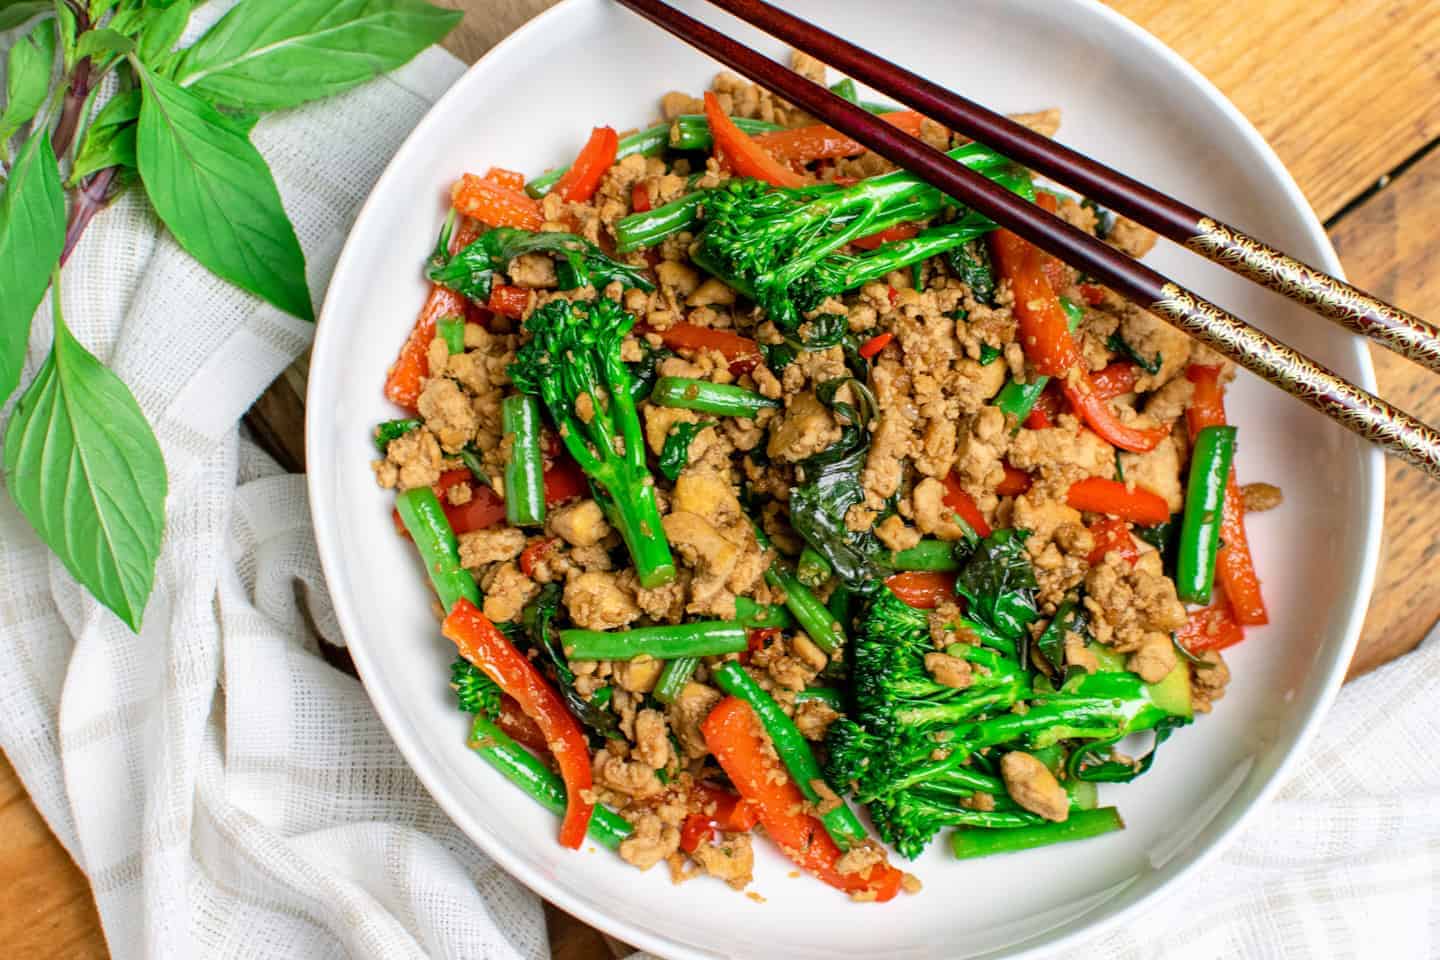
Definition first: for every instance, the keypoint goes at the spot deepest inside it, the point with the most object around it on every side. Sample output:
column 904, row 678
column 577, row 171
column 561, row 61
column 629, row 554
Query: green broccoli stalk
column 572, row 363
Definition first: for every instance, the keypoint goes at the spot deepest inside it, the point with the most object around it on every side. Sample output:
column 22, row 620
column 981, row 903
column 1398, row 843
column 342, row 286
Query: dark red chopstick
column 1369, row 416
column 1351, row 307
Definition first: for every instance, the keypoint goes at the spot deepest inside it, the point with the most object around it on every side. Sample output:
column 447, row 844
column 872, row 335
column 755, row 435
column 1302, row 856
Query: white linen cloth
column 230, row 795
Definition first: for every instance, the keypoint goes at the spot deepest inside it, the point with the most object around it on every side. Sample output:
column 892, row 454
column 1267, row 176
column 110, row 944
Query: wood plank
column 1388, row 246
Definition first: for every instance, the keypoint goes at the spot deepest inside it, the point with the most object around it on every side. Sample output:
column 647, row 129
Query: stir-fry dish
column 760, row 486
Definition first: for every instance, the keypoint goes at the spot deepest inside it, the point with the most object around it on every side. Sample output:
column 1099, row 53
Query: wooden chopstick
column 1372, row 418
column 1311, row 287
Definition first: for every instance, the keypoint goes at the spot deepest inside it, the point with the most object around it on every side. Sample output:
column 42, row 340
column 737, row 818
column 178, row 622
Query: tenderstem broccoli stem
column 718, row 399
column 525, row 470
column 428, row 527
column 708, row 638
column 673, row 678
column 967, row 843
column 521, row 768
column 814, row 617
column 937, row 555
column 1204, row 508
column 793, row 750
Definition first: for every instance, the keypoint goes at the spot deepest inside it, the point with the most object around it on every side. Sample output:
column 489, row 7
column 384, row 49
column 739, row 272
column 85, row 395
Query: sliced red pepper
column 1016, row 482
column 481, row 643
column 733, row 735
column 640, row 200
column 521, row 728
column 579, row 183
column 499, row 206
column 1043, row 326
column 755, row 640
column 1052, row 266
column 508, row 301
column 745, row 156
column 1210, row 628
column 741, row 351
column 962, row 503
column 1113, row 534
column 875, row 344
column 721, row 810
column 922, row 589
column 1234, row 566
column 510, row 179
column 802, row 145
column 564, row 480
column 1115, row 499
column 1093, row 294
column 1098, row 415
column 406, row 375
column 1115, row 380
column 893, row 294
column 901, row 231
column 532, row 553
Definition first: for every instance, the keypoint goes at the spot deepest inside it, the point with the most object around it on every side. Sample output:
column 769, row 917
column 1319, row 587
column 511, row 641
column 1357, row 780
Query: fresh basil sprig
column 80, row 461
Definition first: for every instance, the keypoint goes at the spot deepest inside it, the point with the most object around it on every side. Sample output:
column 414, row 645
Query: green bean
column 452, row 331
column 1210, row 461
column 708, row 638
column 938, row 555
column 525, row 469
column 812, row 568
column 718, row 399
column 966, row 843
column 673, row 678
column 1018, row 399
column 428, row 527
column 393, row 430
column 829, row 695
column 686, row 132
column 790, row 745
column 814, row 617
column 522, row 768
column 760, row 616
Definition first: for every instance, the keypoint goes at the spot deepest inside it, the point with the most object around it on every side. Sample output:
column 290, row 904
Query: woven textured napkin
column 230, row 795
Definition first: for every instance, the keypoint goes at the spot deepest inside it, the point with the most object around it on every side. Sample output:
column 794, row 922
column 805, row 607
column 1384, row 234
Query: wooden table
column 1348, row 92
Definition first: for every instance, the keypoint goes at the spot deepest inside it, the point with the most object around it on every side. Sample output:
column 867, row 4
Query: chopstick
column 1350, row 307
column 1370, row 417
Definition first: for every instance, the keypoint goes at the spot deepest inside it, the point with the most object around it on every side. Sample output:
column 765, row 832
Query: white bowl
column 1128, row 100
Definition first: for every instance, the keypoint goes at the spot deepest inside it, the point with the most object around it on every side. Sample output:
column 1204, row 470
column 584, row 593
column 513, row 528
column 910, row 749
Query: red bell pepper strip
column 733, row 735
column 1115, row 380
column 742, row 352
column 922, row 589
column 485, row 508
column 901, row 231
column 510, row 179
column 564, row 480
column 533, row 552
column 745, row 156
column 499, row 206
column 962, row 503
column 1113, row 534
column 1100, row 417
column 1210, row 628
column 521, row 728
column 1234, row 566
column 1043, row 327
column 481, row 643
column 580, row 182
column 1016, row 482
column 802, row 145
column 722, row 810
column 1093, row 294
column 1052, row 266
column 640, row 198
column 875, row 344
column 508, row 301
column 1115, row 499
column 406, row 375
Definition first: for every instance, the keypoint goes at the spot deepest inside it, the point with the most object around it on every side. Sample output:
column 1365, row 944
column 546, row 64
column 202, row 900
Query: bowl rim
column 1339, row 655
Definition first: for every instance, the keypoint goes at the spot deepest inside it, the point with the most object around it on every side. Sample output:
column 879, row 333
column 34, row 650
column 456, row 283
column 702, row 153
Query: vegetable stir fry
column 762, row 486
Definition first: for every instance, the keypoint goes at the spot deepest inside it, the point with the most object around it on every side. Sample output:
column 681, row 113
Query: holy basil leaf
column 110, row 139
column 85, row 470
column 1117, row 344
column 214, row 192
column 999, row 583
column 675, row 454
column 32, row 234
column 94, row 43
column 27, row 78
column 971, row 263
column 161, row 33
column 270, row 54
column 12, row 14
column 539, row 626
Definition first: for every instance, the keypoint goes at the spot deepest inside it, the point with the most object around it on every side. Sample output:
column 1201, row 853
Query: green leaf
column 69, row 27
column 214, row 192
column 103, row 41
column 32, row 234
column 110, row 139
column 16, row 12
column 27, row 80
column 161, row 33
column 85, row 470
column 270, row 54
